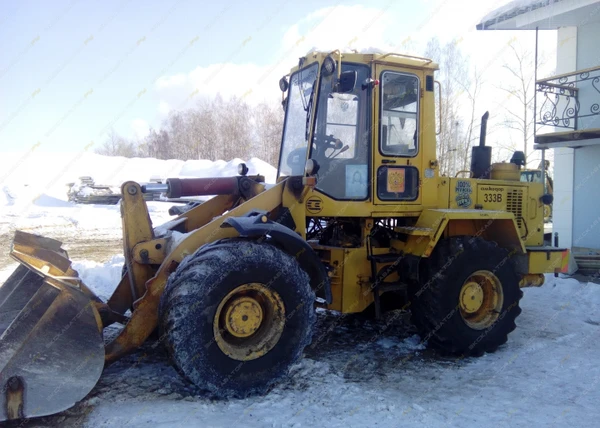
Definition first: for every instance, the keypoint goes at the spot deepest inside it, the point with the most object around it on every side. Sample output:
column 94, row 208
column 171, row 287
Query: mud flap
column 51, row 346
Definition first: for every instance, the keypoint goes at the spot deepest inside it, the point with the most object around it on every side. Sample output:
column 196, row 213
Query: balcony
column 568, row 109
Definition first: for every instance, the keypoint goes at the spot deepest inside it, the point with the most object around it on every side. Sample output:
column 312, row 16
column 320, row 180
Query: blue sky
column 72, row 70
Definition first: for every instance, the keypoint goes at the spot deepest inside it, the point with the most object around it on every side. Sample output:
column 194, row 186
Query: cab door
column 401, row 142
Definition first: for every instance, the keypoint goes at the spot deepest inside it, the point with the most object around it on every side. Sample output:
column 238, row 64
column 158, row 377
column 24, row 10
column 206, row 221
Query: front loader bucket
column 51, row 345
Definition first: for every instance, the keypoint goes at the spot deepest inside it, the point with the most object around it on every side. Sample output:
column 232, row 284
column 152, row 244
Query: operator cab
column 358, row 117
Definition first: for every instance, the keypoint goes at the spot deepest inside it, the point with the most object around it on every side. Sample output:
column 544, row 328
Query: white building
column 568, row 113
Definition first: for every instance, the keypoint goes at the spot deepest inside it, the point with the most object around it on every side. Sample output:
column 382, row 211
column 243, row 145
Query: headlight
column 328, row 66
column 311, row 167
column 242, row 169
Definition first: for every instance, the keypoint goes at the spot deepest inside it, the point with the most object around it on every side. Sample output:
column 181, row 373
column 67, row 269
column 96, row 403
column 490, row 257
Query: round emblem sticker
column 314, row 205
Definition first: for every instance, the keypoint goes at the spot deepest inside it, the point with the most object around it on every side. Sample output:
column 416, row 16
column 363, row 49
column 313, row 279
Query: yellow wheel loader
column 359, row 219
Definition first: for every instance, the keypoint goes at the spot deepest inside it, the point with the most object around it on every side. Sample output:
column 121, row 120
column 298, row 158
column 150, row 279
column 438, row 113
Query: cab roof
column 390, row 58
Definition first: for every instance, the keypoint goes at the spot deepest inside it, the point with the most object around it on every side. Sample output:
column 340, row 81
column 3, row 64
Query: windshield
column 299, row 106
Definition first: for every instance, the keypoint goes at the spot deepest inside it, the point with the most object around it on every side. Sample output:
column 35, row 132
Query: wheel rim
column 481, row 299
column 249, row 321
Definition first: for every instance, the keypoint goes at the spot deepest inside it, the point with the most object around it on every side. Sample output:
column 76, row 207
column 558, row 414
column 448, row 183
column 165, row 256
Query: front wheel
column 468, row 298
column 236, row 315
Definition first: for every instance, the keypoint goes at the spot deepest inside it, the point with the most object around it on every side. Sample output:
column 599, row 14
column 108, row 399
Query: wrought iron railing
column 564, row 100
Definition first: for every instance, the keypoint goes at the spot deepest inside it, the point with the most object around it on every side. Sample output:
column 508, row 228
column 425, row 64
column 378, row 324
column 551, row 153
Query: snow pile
column 33, row 175
column 35, row 185
column 102, row 277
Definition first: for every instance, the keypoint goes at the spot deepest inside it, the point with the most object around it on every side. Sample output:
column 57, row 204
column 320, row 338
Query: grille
column 514, row 204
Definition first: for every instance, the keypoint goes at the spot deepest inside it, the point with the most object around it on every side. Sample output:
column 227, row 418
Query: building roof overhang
column 541, row 14
column 573, row 139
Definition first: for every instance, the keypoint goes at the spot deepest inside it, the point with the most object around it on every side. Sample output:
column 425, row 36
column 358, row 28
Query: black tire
column 193, row 294
column 435, row 300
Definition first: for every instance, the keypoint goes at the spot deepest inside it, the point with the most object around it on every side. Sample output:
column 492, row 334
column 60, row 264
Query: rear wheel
column 236, row 315
column 468, row 301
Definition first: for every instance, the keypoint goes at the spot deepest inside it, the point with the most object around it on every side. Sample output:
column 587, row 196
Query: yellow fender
column 498, row 226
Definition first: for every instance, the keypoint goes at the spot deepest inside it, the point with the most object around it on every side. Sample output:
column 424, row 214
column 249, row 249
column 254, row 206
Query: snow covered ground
column 358, row 372
column 361, row 372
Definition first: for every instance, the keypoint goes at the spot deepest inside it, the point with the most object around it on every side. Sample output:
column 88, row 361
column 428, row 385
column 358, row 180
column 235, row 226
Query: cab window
column 341, row 137
column 399, row 114
column 342, row 120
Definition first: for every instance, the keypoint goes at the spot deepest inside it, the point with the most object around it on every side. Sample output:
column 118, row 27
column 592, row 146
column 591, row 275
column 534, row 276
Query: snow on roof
column 512, row 9
column 364, row 51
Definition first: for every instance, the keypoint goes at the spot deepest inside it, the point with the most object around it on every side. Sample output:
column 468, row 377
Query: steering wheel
column 324, row 142
column 296, row 159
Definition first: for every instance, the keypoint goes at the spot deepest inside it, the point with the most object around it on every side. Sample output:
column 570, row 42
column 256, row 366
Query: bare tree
column 116, row 145
column 459, row 118
column 216, row 128
column 268, row 122
column 470, row 136
column 157, row 145
column 520, row 89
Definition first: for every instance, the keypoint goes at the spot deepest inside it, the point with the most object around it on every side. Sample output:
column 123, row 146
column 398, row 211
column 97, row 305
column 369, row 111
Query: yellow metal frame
column 548, row 261
column 349, row 277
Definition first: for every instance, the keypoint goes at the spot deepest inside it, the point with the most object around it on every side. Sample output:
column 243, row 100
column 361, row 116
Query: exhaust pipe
column 481, row 156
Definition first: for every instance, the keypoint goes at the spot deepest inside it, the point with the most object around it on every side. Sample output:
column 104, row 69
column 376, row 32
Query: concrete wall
column 586, row 197
column 588, row 50
column 588, row 55
column 562, row 207
column 564, row 158
column 566, row 50
column 576, row 208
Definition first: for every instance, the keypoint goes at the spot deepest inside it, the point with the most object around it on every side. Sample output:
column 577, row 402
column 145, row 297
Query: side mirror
column 347, row 82
column 518, row 158
column 546, row 199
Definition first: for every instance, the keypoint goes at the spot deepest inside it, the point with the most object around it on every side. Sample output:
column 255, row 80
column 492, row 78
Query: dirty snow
column 367, row 373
